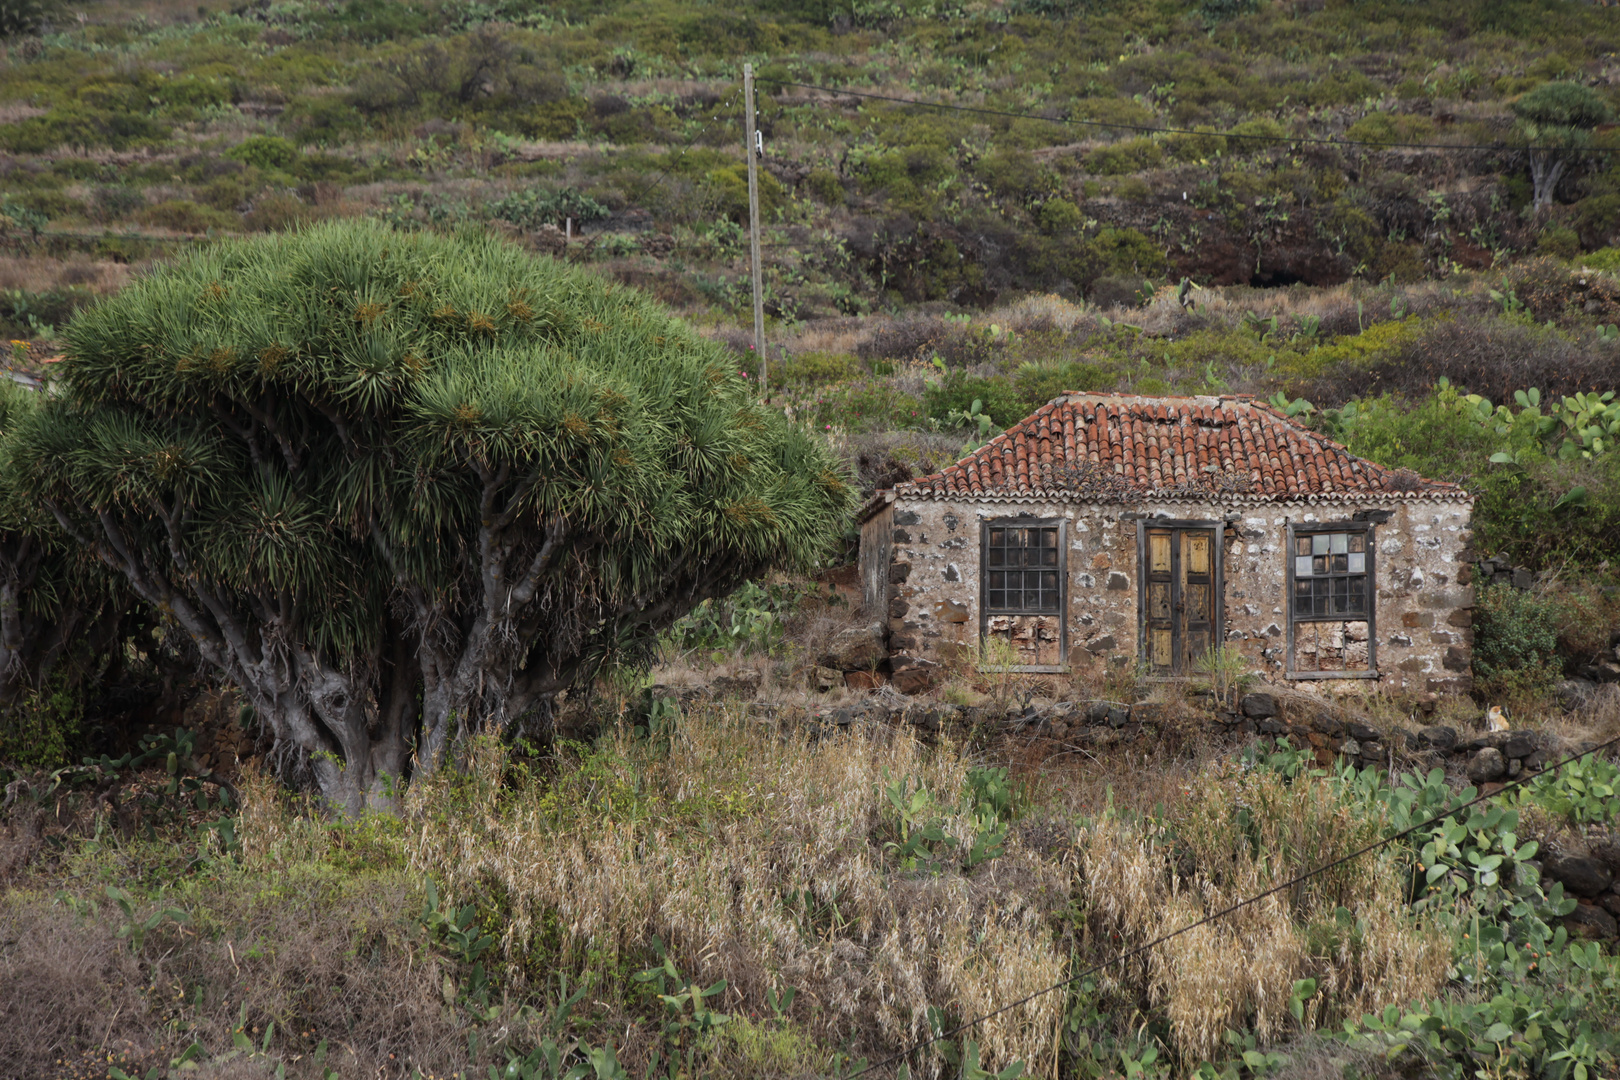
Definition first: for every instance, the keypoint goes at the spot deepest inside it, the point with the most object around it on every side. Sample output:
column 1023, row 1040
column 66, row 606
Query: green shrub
column 1516, row 641
column 730, row 184
column 80, row 125
column 1559, row 241
column 1202, row 146
column 814, row 368
column 1391, row 128
column 997, row 395
column 1597, row 219
column 43, row 730
column 1129, row 156
column 536, row 206
column 265, row 152
column 1127, row 251
column 826, row 186
column 1252, row 136
column 558, row 119
column 1607, row 259
column 1059, row 216
column 18, row 17
column 867, row 405
column 1221, row 10
column 183, row 215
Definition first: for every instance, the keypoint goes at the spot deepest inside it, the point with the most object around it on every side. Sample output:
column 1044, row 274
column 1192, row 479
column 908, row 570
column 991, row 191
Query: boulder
column 1591, row 922
column 1362, row 732
column 1606, row 671
column 743, row 682
column 861, row 680
column 1487, row 765
column 1575, row 693
column 916, row 676
column 823, row 679
column 1581, row 876
column 1328, row 724
column 1438, row 737
column 1521, row 745
column 1258, row 706
column 856, row 648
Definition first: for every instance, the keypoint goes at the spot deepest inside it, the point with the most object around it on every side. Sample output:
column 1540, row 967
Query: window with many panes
column 1330, row 575
column 1023, row 571
column 1331, row 588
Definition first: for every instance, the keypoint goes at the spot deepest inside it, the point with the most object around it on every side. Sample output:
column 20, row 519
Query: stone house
column 1142, row 532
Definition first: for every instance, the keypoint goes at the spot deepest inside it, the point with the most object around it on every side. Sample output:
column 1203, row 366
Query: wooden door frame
column 1217, row 624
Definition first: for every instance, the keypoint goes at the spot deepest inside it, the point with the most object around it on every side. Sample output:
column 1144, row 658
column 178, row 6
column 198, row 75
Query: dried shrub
column 69, row 982
column 1492, row 357
column 907, row 338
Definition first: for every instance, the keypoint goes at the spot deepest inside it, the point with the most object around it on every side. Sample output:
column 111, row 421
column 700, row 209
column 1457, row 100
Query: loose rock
column 1259, row 706
column 1487, row 765
column 857, row 648
column 1591, row 922
column 1581, row 876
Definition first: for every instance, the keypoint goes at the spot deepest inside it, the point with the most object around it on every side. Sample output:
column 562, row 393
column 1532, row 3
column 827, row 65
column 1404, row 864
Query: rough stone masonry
column 1140, row 533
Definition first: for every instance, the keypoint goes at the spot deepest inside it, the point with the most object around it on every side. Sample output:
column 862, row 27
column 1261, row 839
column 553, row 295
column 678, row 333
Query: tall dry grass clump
column 758, row 857
column 1242, row 832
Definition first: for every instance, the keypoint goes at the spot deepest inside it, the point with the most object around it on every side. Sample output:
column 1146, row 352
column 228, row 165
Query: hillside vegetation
column 717, row 857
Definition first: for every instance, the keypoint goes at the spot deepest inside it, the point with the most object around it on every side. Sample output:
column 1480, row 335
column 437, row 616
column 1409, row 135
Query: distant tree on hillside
column 402, row 489
column 1558, row 118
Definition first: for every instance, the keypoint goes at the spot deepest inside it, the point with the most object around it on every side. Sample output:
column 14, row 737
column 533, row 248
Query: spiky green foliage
column 403, row 487
column 60, row 612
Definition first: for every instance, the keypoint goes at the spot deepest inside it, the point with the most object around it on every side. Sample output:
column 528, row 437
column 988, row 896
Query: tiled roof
column 1116, row 448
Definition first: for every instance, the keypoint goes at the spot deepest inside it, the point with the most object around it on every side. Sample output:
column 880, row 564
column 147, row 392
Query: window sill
column 1331, row 675
column 1032, row 669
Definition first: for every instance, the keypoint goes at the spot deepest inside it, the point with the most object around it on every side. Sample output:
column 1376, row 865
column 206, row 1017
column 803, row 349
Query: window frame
column 1309, row 528
column 1061, row 614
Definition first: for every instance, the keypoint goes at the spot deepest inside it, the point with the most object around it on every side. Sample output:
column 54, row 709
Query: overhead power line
column 1146, row 130
column 1121, row 957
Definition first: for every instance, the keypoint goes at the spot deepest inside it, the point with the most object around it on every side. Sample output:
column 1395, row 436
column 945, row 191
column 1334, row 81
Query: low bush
column 1488, row 356
column 81, row 126
column 1130, row 156
column 813, row 368
column 264, row 152
column 183, row 215
column 1516, row 642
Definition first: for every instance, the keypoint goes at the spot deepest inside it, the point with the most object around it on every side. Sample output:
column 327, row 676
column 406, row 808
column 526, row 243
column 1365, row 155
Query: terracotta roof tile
column 1113, row 447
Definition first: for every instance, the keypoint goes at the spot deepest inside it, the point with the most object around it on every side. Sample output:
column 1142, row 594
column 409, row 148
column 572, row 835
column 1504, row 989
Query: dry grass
column 1237, row 972
column 42, row 273
column 700, row 848
column 760, row 856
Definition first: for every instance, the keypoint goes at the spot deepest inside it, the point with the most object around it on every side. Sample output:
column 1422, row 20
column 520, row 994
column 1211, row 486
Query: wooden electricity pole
column 752, row 149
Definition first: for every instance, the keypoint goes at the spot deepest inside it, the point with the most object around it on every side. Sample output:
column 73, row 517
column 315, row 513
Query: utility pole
column 753, row 148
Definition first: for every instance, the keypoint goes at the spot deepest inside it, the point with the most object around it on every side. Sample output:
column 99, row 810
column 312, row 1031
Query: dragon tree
column 402, row 488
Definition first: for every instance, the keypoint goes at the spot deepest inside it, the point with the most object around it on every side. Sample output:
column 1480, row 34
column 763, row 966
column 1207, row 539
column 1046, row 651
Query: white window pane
column 1302, row 566
column 1358, row 562
column 1319, row 544
column 1339, row 541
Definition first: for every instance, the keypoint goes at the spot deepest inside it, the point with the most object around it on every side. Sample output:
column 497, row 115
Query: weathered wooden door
column 1179, row 601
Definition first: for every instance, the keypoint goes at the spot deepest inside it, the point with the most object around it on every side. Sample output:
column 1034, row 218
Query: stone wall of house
column 1422, row 577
